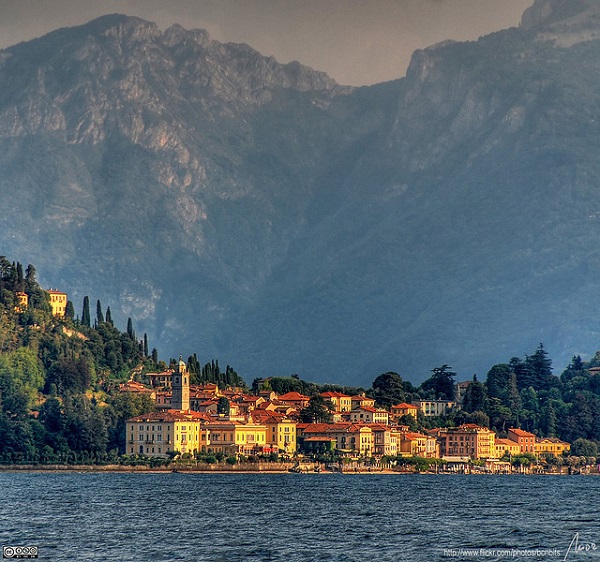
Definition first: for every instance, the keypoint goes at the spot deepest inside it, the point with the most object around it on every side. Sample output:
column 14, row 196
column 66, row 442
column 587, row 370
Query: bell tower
column 180, row 387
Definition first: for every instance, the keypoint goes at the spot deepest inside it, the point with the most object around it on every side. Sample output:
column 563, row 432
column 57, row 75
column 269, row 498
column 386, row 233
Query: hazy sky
column 355, row 41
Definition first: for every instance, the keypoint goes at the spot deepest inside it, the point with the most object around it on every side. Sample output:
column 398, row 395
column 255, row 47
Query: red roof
column 168, row 416
column 404, row 406
column 520, row 432
column 293, row 397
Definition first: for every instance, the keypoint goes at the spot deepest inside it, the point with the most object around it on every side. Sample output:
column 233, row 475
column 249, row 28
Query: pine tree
column 539, row 366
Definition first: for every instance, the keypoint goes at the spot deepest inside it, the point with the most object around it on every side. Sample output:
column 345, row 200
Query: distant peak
column 548, row 13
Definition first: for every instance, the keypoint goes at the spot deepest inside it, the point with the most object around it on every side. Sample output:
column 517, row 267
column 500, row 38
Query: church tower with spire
column 180, row 386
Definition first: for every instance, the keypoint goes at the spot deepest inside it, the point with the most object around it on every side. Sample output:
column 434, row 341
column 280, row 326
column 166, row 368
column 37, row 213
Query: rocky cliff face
column 564, row 22
column 260, row 213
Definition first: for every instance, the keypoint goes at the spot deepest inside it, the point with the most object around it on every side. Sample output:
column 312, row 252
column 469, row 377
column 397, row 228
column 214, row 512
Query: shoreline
column 243, row 469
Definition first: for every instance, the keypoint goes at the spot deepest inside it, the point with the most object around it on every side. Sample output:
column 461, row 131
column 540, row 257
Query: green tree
column 85, row 314
column 539, row 367
column 388, row 389
column 223, row 406
column 497, row 381
column 584, row 448
column 130, row 331
column 99, row 313
column 318, row 410
column 441, row 383
column 475, row 398
column 70, row 311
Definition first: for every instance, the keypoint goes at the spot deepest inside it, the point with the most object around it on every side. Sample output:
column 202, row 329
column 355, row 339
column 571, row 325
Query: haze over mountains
column 264, row 215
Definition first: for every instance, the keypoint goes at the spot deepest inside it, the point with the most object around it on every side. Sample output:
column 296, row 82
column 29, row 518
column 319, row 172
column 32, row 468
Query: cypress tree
column 85, row 316
column 109, row 316
column 20, row 277
column 99, row 314
column 70, row 310
column 145, row 345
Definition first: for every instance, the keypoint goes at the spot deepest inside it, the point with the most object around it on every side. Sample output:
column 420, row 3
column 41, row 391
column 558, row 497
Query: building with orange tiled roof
column 246, row 403
column 504, row 446
column 294, row 399
column 386, row 439
column 281, row 430
column 135, row 387
column 351, row 439
column 467, row 440
column 403, row 409
column 361, row 400
column 525, row 439
column 175, row 429
column 237, row 438
column 341, row 402
column 156, row 434
column 369, row 414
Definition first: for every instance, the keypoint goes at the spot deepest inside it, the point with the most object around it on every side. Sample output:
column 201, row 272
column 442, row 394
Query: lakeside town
column 188, row 421
column 76, row 391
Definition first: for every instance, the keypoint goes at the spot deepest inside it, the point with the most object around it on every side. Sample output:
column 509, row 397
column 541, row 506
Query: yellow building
column 281, row 431
column 386, row 440
column 433, row 408
column 403, row 409
column 341, row 402
column 369, row 414
column 360, row 400
column 22, row 301
column 351, row 439
column 236, row 437
column 551, row 445
column 418, row 444
column 58, row 302
column 504, row 446
column 158, row 433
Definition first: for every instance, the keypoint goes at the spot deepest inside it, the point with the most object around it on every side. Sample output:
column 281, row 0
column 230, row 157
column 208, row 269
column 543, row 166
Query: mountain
column 263, row 214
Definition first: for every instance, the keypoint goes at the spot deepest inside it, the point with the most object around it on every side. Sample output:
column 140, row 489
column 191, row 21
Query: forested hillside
column 59, row 376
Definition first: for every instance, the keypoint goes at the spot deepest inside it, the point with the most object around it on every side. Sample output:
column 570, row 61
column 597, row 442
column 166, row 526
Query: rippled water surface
column 300, row 518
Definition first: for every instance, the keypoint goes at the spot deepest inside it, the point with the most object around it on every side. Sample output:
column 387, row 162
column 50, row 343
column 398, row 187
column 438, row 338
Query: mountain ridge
column 262, row 213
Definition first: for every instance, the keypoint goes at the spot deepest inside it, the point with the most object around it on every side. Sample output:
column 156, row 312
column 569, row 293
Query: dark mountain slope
column 258, row 212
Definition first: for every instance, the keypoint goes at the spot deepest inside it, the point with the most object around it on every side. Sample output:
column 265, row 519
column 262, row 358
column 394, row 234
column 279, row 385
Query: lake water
column 300, row 518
